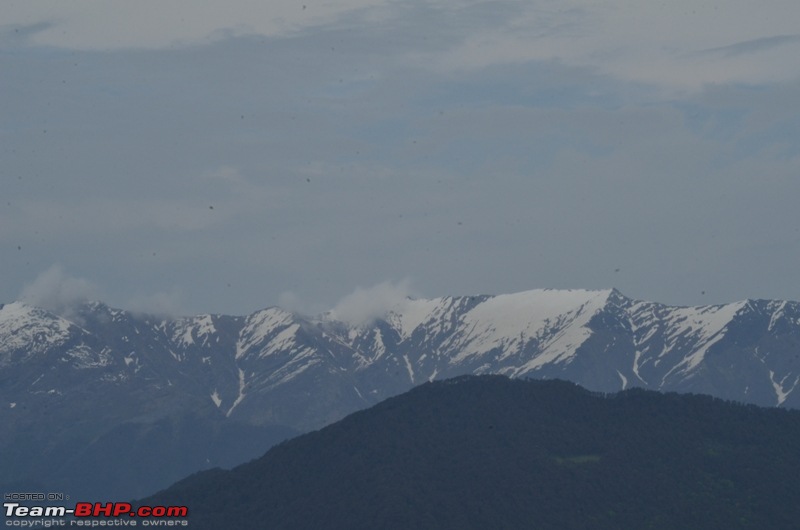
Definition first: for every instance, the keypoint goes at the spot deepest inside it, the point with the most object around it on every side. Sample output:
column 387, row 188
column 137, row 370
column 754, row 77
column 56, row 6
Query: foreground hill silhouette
column 489, row 452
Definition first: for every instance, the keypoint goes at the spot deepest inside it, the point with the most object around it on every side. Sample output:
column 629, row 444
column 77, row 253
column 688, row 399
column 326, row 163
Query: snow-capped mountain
column 70, row 381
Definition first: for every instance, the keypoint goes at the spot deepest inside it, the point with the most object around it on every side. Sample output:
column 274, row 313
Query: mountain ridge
column 540, row 329
column 104, row 368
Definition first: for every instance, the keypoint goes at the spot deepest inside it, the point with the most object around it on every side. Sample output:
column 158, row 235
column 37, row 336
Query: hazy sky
column 190, row 156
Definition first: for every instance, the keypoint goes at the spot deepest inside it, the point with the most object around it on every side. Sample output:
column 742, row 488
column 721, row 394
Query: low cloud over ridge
column 364, row 305
column 56, row 291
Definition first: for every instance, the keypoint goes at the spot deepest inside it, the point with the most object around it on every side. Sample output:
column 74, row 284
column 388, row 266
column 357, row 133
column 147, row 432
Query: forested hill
column 490, row 452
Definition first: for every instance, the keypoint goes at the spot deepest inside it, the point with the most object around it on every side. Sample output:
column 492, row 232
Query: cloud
column 161, row 304
column 445, row 142
column 364, row 305
column 58, row 292
column 289, row 300
column 662, row 45
column 633, row 41
column 755, row 45
column 152, row 24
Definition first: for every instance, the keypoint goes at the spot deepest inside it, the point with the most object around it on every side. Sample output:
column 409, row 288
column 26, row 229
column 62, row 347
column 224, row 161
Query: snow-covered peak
column 269, row 318
column 18, row 317
column 31, row 328
column 554, row 319
column 410, row 314
column 511, row 313
column 504, row 314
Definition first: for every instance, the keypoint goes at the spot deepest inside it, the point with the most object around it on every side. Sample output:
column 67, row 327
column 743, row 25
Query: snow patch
column 413, row 314
column 409, row 368
column 240, row 397
column 294, row 368
column 259, row 326
column 216, row 399
column 205, row 325
column 199, row 328
column 705, row 325
column 636, row 358
column 187, row 339
column 624, row 380
column 780, row 393
column 282, row 341
column 82, row 356
column 377, row 345
column 556, row 319
column 776, row 315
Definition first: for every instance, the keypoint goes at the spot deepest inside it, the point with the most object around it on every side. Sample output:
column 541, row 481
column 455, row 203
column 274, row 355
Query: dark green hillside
column 489, row 452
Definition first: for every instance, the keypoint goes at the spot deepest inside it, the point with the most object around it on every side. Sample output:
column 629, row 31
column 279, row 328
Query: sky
column 186, row 157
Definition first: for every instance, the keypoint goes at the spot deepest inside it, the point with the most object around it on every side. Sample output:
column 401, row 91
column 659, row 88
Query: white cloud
column 664, row 44
column 163, row 304
column 116, row 24
column 289, row 300
column 658, row 44
column 364, row 305
column 56, row 291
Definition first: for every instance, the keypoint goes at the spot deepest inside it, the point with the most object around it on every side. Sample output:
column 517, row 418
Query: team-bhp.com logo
column 94, row 514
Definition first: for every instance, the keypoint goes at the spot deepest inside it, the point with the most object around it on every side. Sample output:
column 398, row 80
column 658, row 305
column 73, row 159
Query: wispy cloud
column 634, row 41
column 364, row 305
column 59, row 292
column 151, row 24
column 162, row 304
column 752, row 46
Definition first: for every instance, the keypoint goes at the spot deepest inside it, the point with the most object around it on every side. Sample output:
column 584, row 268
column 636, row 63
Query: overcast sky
column 188, row 157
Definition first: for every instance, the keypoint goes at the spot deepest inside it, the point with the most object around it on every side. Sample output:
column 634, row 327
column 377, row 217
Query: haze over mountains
column 97, row 380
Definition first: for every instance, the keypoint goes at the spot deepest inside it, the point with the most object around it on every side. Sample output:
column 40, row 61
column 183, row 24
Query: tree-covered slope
column 489, row 452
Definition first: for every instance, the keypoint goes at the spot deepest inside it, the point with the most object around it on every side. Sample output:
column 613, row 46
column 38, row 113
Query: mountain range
column 80, row 388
